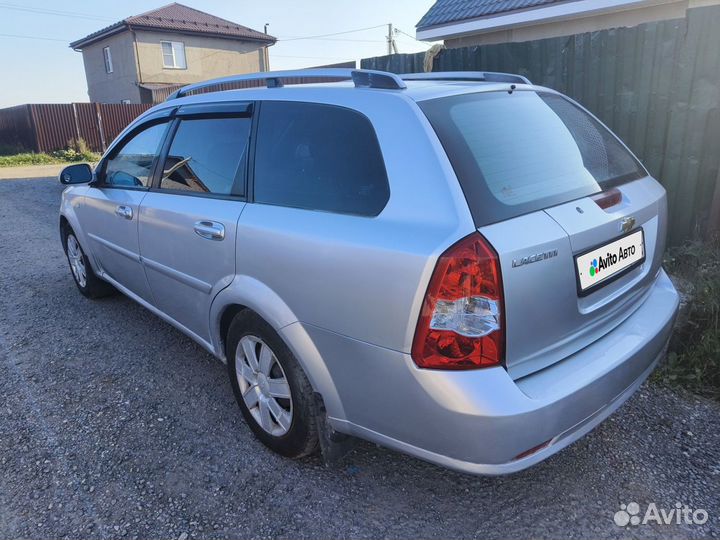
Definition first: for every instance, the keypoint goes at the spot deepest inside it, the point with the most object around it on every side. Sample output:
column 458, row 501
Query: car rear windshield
column 520, row 152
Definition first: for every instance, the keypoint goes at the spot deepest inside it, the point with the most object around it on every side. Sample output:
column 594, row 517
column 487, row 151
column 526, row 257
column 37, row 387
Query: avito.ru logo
column 608, row 260
column 629, row 514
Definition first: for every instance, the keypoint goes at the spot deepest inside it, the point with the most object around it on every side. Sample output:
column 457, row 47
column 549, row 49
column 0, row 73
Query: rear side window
column 521, row 152
column 208, row 155
column 319, row 157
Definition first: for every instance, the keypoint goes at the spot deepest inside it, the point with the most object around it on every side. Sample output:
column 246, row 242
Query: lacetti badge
column 537, row 257
column 610, row 259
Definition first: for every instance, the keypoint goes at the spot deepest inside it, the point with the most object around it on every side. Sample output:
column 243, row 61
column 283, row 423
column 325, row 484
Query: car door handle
column 210, row 230
column 124, row 211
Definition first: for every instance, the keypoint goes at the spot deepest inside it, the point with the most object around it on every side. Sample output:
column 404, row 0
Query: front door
column 111, row 206
column 188, row 224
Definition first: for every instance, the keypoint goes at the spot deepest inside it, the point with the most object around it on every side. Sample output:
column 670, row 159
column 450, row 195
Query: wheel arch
column 69, row 221
column 64, row 226
column 248, row 293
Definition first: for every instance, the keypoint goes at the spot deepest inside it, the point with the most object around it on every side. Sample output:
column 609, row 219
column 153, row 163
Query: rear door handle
column 124, row 211
column 210, row 230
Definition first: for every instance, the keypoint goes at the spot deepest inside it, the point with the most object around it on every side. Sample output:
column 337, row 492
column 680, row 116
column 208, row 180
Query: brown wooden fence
column 48, row 127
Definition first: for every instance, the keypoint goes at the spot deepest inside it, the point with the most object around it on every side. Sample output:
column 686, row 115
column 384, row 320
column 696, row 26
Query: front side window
column 520, row 152
column 208, row 155
column 132, row 164
column 108, row 60
column 319, row 157
column 173, row 54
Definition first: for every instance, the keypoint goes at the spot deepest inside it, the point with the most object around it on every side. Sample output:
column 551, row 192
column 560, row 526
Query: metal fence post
column 33, row 127
column 77, row 123
column 100, row 126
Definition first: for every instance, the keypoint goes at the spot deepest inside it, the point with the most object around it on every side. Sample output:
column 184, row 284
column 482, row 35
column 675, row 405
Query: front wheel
column 87, row 282
column 271, row 389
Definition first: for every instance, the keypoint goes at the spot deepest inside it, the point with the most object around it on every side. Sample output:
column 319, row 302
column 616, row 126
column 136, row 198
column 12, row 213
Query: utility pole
column 266, row 54
column 391, row 45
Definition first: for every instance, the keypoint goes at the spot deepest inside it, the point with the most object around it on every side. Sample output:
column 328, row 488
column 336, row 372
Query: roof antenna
column 512, row 89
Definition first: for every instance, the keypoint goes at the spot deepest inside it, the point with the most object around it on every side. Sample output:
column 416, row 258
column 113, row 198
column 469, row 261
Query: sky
column 40, row 67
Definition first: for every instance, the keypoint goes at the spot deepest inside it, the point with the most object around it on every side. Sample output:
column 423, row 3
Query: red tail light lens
column 461, row 320
column 608, row 199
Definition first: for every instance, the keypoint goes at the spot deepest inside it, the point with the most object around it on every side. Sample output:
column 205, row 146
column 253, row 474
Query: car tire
column 273, row 393
column 87, row 282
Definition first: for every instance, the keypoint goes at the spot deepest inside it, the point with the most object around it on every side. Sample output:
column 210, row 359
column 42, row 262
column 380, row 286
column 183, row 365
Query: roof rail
column 363, row 78
column 486, row 76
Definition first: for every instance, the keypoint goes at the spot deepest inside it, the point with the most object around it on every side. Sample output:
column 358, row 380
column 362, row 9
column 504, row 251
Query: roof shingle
column 179, row 18
column 447, row 11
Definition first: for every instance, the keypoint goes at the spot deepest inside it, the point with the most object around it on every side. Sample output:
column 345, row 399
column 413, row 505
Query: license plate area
column 604, row 264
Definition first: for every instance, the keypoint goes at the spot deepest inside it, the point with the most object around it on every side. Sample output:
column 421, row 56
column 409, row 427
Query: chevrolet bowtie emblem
column 627, row 224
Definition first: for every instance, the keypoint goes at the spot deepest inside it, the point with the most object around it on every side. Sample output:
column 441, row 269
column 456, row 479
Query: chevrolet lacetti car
column 460, row 266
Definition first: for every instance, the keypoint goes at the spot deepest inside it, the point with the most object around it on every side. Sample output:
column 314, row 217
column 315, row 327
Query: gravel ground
column 32, row 171
column 113, row 424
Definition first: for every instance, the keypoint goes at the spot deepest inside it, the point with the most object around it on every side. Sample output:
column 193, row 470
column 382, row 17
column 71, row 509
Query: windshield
column 519, row 152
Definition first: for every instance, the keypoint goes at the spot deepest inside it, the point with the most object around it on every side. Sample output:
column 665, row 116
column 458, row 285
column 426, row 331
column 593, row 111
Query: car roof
column 429, row 89
column 416, row 91
column 357, row 88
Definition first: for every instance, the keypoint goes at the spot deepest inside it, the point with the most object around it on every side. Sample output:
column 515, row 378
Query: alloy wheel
column 263, row 385
column 77, row 260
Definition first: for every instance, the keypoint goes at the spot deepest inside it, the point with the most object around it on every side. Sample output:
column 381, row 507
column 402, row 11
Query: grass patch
column 693, row 360
column 76, row 151
column 28, row 158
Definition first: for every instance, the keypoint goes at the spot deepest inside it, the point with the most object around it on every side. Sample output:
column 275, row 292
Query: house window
column 108, row 60
column 173, row 54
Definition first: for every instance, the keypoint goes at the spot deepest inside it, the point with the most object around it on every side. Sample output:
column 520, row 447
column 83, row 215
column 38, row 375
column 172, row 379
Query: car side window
column 132, row 164
column 319, row 157
column 208, row 155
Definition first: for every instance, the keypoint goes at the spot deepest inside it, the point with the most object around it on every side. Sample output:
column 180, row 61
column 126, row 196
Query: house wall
column 119, row 85
column 618, row 19
column 206, row 57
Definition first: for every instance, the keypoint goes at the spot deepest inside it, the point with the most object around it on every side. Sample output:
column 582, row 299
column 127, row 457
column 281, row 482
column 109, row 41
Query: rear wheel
column 87, row 282
column 271, row 389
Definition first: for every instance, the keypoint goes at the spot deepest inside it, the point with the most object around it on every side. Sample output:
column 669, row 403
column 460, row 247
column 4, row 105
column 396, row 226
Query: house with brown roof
column 144, row 58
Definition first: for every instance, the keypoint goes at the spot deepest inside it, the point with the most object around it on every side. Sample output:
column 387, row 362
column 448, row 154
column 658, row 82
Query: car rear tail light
column 608, row 198
column 461, row 319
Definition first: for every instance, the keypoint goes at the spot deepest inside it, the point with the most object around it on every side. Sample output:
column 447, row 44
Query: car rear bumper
column 481, row 421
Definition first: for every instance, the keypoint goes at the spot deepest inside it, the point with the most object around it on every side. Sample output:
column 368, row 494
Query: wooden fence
column 657, row 85
column 48, row 127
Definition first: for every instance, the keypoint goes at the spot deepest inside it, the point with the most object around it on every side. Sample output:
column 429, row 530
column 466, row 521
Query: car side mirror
column 80, row 173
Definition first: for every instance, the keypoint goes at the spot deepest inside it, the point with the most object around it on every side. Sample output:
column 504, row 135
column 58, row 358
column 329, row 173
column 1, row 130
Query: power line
column 398, row 31
column 333, row 34
column 406, row 35
column 310, row 57
column 344, row 39
column 319, row 38
column 57, row 12
column 34, row 37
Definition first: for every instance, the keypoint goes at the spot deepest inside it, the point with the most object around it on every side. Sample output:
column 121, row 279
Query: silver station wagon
column 460, row 266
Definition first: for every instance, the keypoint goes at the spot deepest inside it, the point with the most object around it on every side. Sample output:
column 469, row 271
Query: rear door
column 109, row 212
column 561, row 200
column 188, row 221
